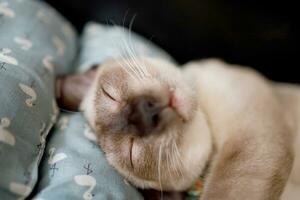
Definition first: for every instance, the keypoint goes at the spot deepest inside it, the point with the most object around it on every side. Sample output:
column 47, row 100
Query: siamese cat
column 162, row 126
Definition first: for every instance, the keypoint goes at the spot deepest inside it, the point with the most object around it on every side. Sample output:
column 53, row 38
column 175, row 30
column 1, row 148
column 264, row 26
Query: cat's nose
column 145, row 114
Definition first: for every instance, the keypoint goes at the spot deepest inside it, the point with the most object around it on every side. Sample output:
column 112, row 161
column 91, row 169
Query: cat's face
column 149, row 123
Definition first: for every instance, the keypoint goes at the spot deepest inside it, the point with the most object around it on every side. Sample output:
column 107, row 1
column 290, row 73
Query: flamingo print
column 48, row 63
column 43, row 128
column 55, row 158
column 6, row 136
column 42, row 16
column 59, row 45
column 23, row 42
column 20, row 189
column 55, row 111
column 86, row 180
column 42, row 137
column 30, row 92
column 67, row 31
column 4, row 10
column 7, row 59
column 63, row 122
column 89, row 134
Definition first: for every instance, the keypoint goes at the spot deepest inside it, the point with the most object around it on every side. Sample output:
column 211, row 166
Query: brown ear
column 71, row 89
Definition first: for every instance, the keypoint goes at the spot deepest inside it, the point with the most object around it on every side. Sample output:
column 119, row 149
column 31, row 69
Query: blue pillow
column 74, row 167
column 35, row 44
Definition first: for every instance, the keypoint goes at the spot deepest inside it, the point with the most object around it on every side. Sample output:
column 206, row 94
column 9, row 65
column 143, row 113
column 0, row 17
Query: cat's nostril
column 145, row 114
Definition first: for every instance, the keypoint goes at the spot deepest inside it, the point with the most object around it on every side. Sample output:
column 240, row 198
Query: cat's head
column 149, row 122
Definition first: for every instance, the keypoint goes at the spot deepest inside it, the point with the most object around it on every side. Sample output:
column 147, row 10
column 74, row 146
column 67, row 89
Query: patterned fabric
column 74, row 167
column 35, row 43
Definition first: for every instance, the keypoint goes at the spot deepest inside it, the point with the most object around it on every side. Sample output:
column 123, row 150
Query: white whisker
column 159, row 168
column 142, row 67
column 168, row 162
column 129, row 72
column 174, row 161
column 130, row 55
column 131, row 46
column 127, row 51
column 128, row 62
column 182, row 168
column 132, row 72
column 177, row 158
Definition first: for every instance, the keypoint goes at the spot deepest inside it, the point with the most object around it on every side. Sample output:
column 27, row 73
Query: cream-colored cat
column 160, row 126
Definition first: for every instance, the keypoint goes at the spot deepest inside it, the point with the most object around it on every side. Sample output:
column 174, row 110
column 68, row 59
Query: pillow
column 35, row 44
column 74, row 167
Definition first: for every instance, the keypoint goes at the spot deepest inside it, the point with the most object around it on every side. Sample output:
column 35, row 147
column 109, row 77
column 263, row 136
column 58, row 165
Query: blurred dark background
column 261, row 34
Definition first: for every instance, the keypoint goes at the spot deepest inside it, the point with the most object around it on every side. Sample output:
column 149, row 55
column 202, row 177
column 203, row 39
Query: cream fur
column 244, row 125
column 227, row 91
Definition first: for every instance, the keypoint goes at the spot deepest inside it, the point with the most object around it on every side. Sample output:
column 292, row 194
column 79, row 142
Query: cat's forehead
column 137, row 76
column 146, row 67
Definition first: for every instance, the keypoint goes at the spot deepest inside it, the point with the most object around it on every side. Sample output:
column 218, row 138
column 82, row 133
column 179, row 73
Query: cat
column 161, row 126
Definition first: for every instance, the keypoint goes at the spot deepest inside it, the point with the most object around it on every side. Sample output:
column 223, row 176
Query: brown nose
column 145, row 114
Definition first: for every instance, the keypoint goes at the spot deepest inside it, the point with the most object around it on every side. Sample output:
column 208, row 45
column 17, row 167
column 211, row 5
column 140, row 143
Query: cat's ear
column 71, row 89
